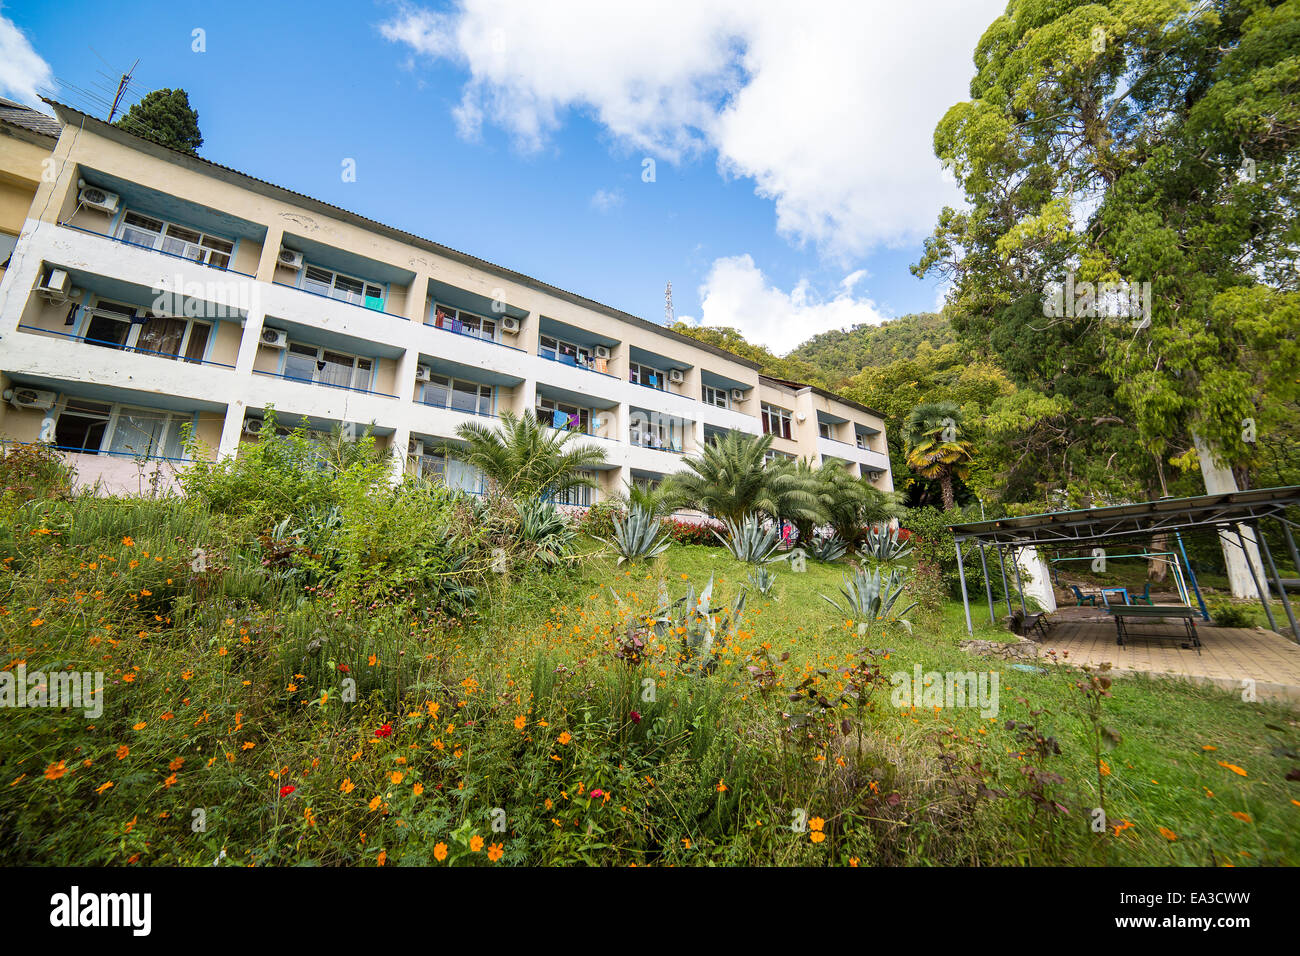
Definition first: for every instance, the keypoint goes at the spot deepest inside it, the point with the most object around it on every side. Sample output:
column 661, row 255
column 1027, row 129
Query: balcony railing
column 472, row 335
column 334, row 298
column 117, row 346
column 161, row 252
column 572, row 362
column 453, row 408
column 311, row 381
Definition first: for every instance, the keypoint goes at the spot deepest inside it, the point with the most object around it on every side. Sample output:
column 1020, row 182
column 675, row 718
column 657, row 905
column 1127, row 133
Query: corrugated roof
column 1090, row 525
column 24, row 117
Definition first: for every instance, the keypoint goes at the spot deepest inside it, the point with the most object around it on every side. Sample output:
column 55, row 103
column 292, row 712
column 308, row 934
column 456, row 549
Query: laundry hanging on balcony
column 559, row 419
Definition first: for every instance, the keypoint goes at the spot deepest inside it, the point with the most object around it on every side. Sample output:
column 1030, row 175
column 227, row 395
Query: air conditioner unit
column 423, row 373
column 601, row 351
column 55, row 285
column 33, row 398
column 510, row 324
column 737, row 394
column 676, row 376
column 252, row 426
column 290, row 258
column 94, row 198
column 275, row 338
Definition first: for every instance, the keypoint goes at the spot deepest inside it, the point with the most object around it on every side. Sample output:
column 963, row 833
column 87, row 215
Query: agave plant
column 827, row 550
column 701, row 625
column 637, row 536
column 545, row 528
column 883, row 546
column 870, row 596
column 750, row 542
column 762, row 580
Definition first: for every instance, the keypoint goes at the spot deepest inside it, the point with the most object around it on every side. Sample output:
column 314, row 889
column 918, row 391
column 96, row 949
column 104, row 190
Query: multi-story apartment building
column 152, row 294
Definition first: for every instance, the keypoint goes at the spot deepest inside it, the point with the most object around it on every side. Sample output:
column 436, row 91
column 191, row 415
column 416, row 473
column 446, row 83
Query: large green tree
column 1131, row 141
column 166, row 118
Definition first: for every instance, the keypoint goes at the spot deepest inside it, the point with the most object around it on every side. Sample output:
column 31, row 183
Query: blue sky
column 783, row 202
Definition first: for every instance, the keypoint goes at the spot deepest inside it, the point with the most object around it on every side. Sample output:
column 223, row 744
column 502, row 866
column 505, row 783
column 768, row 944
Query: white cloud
column 24, row 75
column 737, row 294
column 828, row 105
column 605, row 200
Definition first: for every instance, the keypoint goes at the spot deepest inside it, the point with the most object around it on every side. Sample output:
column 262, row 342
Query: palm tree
column 658, row 501
column 521, row 459
column 936, row 448
column 853, row 504
column 730, row 480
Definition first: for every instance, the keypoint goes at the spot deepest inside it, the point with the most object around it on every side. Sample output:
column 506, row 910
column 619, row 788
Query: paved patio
column 1228, row 655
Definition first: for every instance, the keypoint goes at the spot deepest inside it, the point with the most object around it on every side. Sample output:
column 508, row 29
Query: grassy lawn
column 517, row 734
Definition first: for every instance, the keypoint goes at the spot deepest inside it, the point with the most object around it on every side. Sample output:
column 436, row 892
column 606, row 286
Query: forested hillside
column 838, row 355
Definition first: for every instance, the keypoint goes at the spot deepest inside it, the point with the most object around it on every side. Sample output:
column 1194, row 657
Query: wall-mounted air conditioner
column 601, row 351
column 510, row 325
column 676, row 376
column 290, row 258
column 275, row 338
column 423, row 373
column 55, row 285
column 737, row 394
column 252, row 426
column 92, row 197
column 33, row 398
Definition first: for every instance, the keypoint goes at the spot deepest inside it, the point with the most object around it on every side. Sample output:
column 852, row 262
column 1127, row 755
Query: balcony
column 186, row 252
column 843, row 451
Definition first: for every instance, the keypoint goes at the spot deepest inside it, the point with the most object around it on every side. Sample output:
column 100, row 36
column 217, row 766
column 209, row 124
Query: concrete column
column 1220, row 480
column 417, row 298
column 270, row 254
column 530, row 331
column 231, row 430
column 250, row 337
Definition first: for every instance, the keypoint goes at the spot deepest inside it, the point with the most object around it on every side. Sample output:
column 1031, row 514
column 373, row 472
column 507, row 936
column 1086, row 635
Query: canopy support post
column 1020, row 586
column 1196, row 585
column 1254, row 576
column 961, row 576
column 1277, row 580
column 1006, row 588
column 988, row 585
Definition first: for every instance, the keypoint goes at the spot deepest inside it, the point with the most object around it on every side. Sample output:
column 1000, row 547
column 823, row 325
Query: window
column 116, row 326
column 647, row 376
column 176, row 240
column 465, row 323
column 569, row 353
column 100, row 427
column 716, row 396
column 344, row 288
column 311, row 363
column 563, row 416
column 824, row 430
column 578, row 496
column 776, row 421
column 645, row 483
column 864, row 441
column 456, row 475
column 773, row 455
column 662, row 432
column 461, row 396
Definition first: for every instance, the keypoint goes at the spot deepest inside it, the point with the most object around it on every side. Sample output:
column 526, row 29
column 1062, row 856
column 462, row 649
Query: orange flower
column 564, row 738
column 55, row 770
column 1243, row 817
column 418, row 789
column 1168, row 834
column 440, row 852
column 375, row 803
column 382, row 858
column 817, row 836
column 122, row 751
column 495, row 852
column 475, row 843
column 128, row 542
column 1233, row 767
column 816, row 823
column 721, row 787
column 521, row 722
column 103, row 786
column 396, row 776
column 347, row 786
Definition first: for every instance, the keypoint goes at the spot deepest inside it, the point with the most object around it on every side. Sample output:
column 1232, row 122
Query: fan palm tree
column 729, row 479
column 521, row 459
column 658, row 501
column 936, row 447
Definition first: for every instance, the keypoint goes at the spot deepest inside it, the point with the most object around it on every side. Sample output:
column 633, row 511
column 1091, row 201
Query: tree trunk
column 945, row 485
column 1158, row 568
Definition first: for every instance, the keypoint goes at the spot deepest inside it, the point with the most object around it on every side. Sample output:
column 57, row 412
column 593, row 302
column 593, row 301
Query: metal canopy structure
column 1225, row 514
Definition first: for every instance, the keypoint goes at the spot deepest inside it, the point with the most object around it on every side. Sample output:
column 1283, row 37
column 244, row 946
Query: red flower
column 345, row 669
column 636, row 717
column 285, row 791
column 597, row 794
column 385, row 731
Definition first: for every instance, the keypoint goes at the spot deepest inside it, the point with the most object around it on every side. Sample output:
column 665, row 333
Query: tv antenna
column 669, row 317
